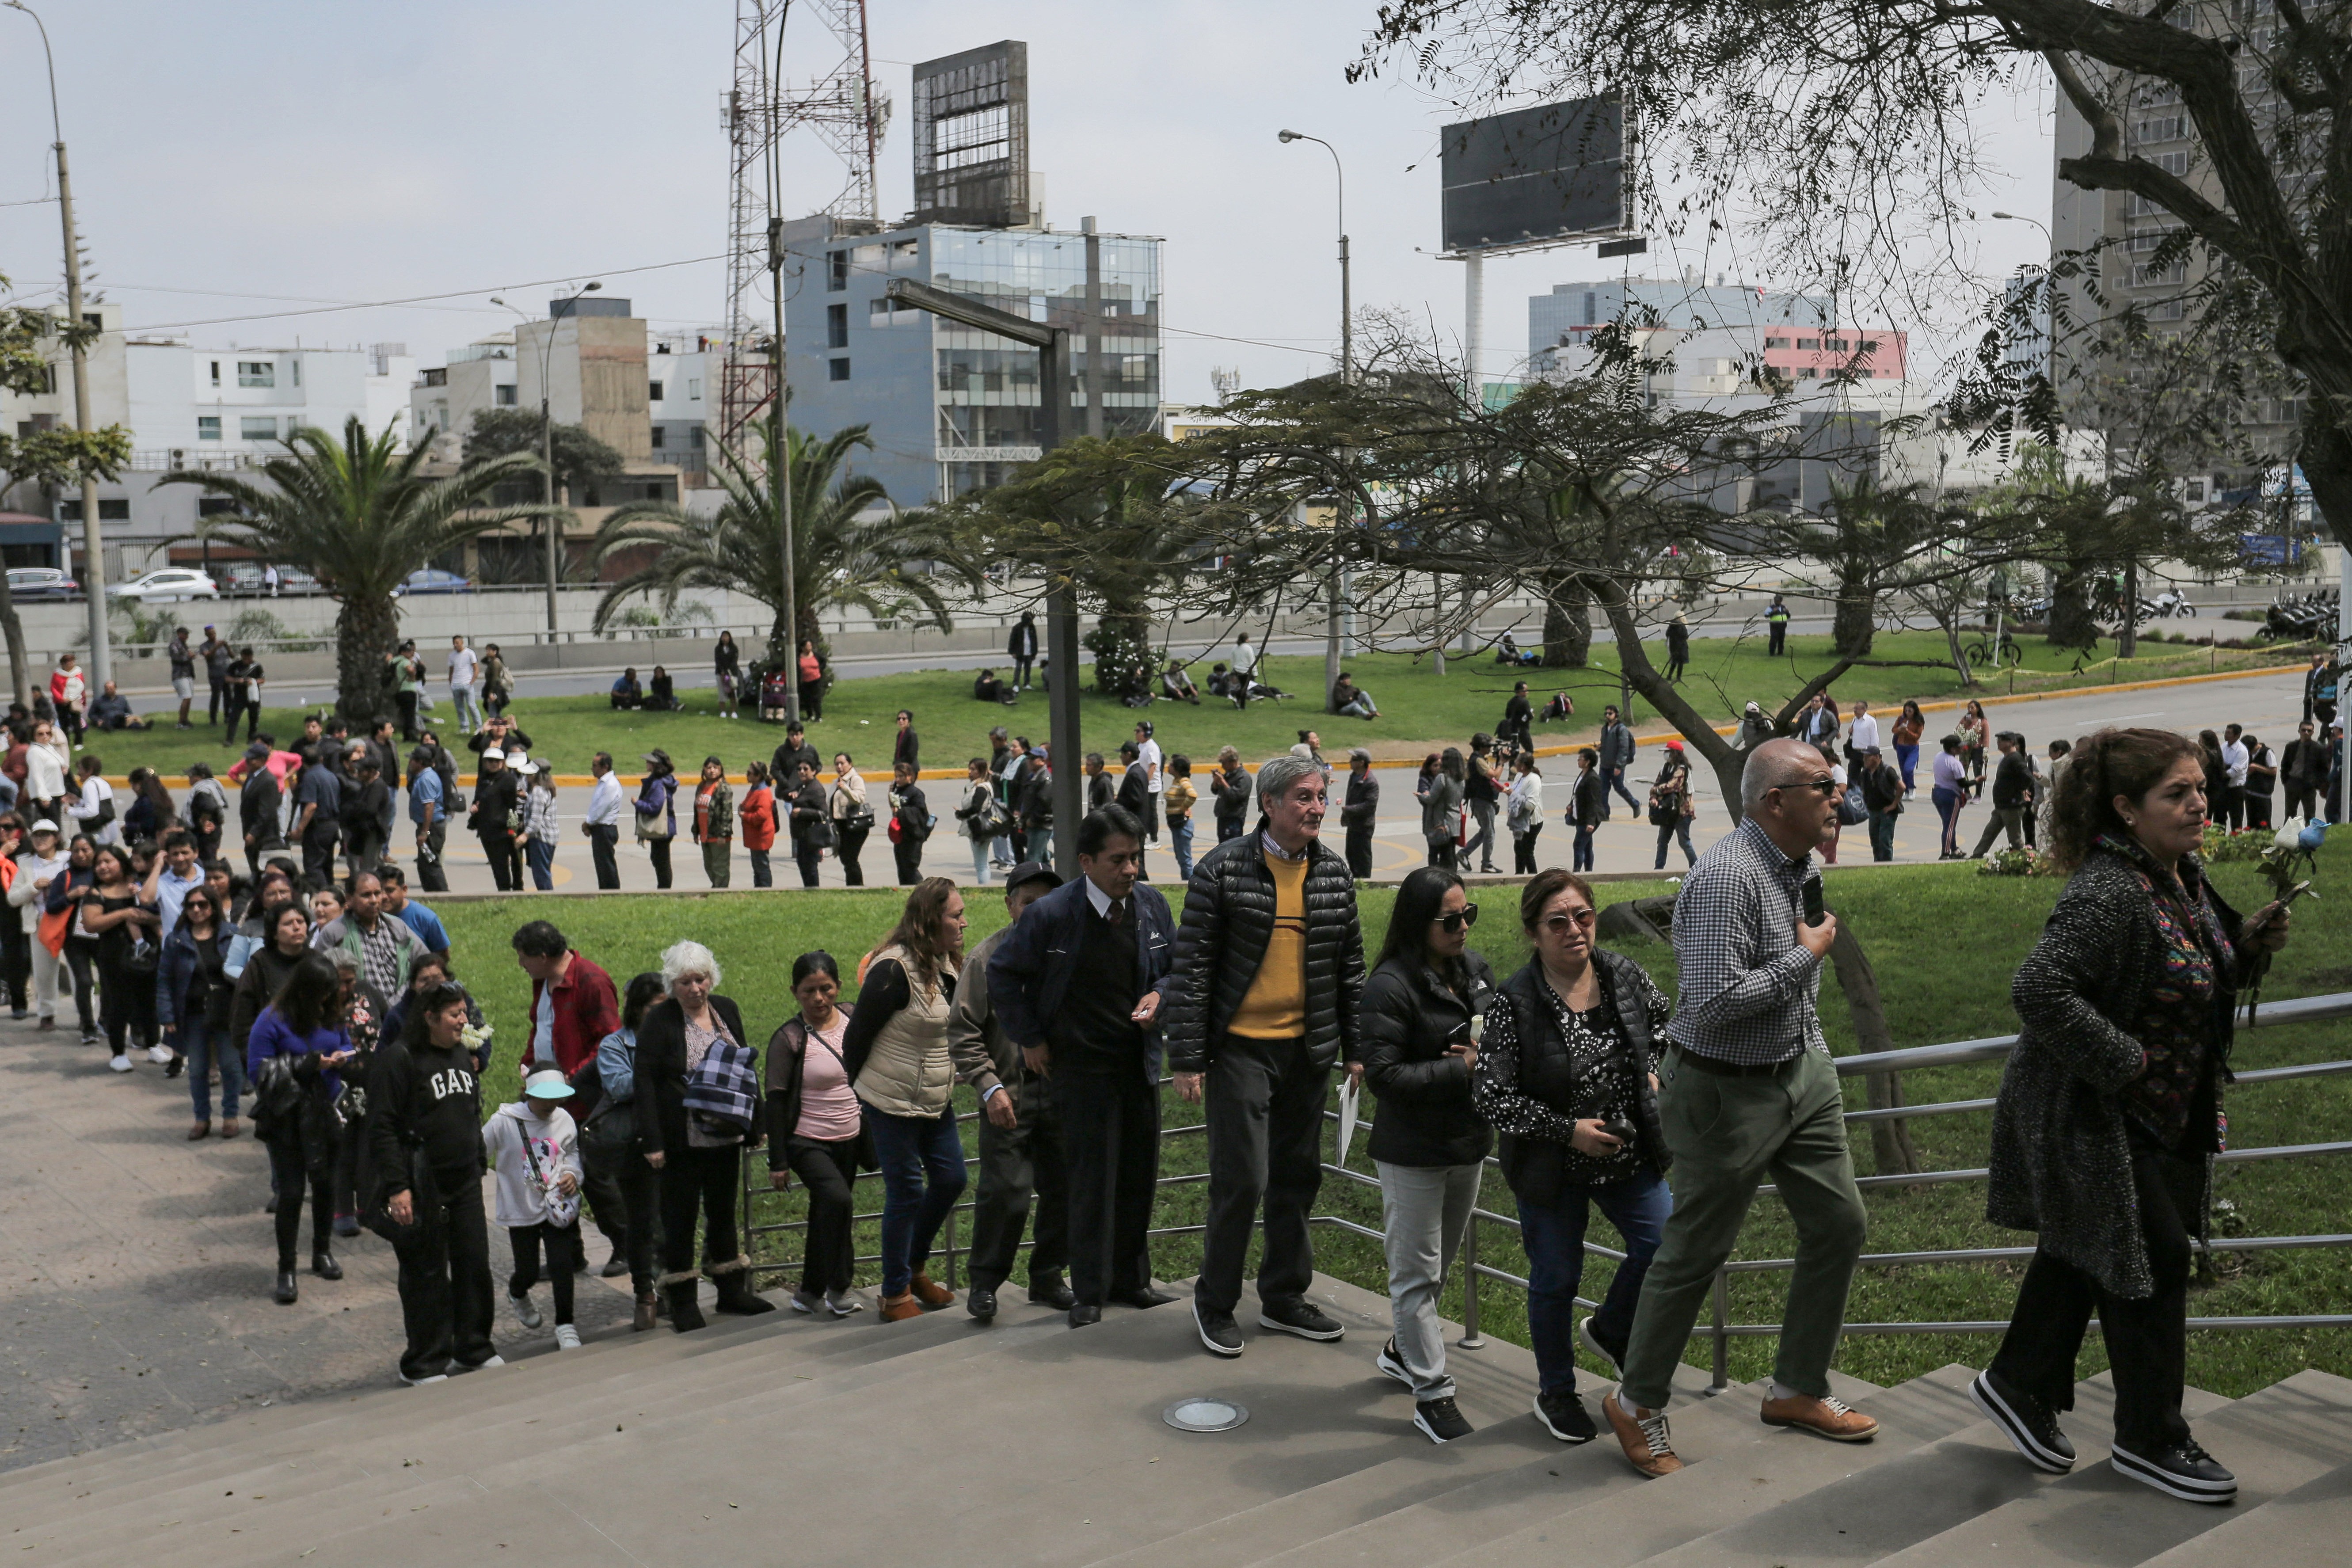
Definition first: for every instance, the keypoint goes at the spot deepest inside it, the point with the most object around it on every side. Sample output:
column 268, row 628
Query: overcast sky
column 338, row 151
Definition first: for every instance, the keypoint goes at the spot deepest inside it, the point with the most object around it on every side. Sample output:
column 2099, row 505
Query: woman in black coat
column 1417, row 1030
column 701, row 1172
column 2109, row 1112
column 1567, row 1074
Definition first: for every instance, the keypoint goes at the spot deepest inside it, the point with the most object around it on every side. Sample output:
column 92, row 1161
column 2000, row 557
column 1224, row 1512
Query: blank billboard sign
column 1551, row 173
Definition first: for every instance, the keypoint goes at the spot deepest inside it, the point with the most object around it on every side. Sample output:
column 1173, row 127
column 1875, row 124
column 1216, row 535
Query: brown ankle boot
column 898, row 1309
column 645, row 1316
column 931, row 1293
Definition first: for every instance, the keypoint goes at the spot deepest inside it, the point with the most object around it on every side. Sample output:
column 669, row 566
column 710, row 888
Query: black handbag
column 423, row 1198
column 610, row 1134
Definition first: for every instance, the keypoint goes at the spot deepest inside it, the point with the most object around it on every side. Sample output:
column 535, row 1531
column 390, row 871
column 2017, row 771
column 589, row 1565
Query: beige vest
column 907, row 1072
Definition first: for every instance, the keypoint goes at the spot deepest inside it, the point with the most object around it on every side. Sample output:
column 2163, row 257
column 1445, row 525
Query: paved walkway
column 140, row 1266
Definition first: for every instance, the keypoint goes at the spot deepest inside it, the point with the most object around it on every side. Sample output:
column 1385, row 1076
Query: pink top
column 829, row 1108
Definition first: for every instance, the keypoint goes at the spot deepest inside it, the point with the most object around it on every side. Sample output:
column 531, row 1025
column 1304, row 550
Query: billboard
column 1535, row 175
column 972, row 137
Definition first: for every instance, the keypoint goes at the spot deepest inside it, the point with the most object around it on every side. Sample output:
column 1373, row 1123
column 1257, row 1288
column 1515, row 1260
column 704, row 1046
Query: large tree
column 580, row 459
column 360, row 515
column 1852, row 125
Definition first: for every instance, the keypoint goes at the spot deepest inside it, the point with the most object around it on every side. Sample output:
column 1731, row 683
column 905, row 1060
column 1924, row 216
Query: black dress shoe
column 1085, row 1312
column 980, row 1301
column 1142, row 1297
column 287, row 1292
column 324, row 1266
column 615, row 1266
column 1051, row 1292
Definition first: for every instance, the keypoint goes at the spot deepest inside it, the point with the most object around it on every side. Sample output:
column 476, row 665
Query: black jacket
column 2013, row 782
column 424, row 1099
column 1588, row 799
column 785, row 763
column 1022, row 643
column 1231, row 792
column 256, row 809
column 787, row 1055
column 661, row 1069
column 1882, row 787
column 1228, row 922
column 1362, row 807
column 1408, row 1021
column 1535, row 1166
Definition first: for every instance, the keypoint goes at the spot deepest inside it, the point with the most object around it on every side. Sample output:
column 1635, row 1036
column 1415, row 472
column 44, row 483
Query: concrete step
column 2310, row 1526
column 1727, row 1476
column 2276, row 1440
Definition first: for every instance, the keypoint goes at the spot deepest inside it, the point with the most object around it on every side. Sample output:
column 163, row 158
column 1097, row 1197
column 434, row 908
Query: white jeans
column 1424, row 1209
column 50, row 978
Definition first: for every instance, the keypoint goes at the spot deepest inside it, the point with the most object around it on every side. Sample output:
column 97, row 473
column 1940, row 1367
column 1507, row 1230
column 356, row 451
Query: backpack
column 723, row 1092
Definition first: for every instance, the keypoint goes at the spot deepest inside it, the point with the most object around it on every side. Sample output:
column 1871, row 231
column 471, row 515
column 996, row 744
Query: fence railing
column 1719, row 1331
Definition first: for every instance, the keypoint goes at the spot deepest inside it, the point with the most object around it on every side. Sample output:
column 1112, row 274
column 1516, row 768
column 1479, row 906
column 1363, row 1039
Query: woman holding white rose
column 1417, row 1028
column 1567, row 1074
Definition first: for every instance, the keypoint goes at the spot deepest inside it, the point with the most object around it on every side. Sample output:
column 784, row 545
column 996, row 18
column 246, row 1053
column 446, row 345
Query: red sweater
column 586, row 1010
column 757, row 818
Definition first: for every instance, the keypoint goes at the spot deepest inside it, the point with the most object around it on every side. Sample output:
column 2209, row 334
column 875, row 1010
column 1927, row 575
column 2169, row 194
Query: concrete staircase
column 781, row 1439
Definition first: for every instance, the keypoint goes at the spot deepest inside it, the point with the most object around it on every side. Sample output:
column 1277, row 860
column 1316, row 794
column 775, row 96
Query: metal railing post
column 1721, row 1301
column 1471, row 1337
column 950, row 1232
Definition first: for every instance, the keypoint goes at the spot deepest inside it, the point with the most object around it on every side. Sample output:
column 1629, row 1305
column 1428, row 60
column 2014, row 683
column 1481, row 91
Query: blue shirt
column 274, row 1037
column 426, row 925
column 426, row 789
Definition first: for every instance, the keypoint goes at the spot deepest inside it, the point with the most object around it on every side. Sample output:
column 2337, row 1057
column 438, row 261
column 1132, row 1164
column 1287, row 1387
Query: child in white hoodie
column 535, row 1149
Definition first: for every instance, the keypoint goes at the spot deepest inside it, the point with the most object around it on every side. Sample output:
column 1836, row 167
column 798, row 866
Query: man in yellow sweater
column 1259, row 1006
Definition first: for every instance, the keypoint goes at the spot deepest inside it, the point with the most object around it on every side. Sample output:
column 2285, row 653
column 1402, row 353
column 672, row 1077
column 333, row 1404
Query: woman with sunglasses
column 1418, row 1035
column 1566, row 1072
column 192, row 998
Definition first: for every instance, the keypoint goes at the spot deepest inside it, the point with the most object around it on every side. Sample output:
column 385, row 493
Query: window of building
column 1808, row 372
column 255, row 372
column 215, row 373
column 658, row 438
column 2172, row 163
column 258, row 427
column 1835, row 345
column 837, row 370
column 504, row 396
column 214, row 506
column 654, row 391
column 207, row 426
column 295, row 366
column 1776, row 343
column 836, row 270
column 114, row 510
column 837, row 326
column 694, row 437
column 1809, row 343
column 693, row 390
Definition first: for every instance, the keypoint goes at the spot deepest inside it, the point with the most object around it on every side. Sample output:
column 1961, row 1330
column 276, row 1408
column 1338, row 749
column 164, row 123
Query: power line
column 426, row 299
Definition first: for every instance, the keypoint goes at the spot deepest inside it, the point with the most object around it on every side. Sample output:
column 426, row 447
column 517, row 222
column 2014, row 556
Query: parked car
column 41, row 582
column 433, row 580
column 241, row 578
column 294, row 580
column 167, row 586
column 246, row 579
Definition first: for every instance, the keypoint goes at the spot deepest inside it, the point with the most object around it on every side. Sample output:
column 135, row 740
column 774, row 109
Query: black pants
column 600, row 1187
column 602, row 838
column 629, row 1191
column 498, row 848
column 406, row 702
column 850, row 841
column 807, row 856
column 16, row 963
column 657, row 851
column 430, row 871
column 2258, row 809
column 699, row 1183
column 2230, row 811
column 293, row 1171
column 1017, row 1166
column 1360, row 852
column 2303, row 801
column 909, row 857
column 220, row 700
column 81, row 957
column 319, row 857
column 563, row 1245
column 2147, row 1339
column 251, row 709
column 811, row 699
column 1264, row 1101
column 829, row 1171
column 1523, row 851
column 350, row 1139
column 1777, row 639
column 445, row 1282
column 1111, row 1141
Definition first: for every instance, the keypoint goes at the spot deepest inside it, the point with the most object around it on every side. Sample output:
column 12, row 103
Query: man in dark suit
column 1075, row 985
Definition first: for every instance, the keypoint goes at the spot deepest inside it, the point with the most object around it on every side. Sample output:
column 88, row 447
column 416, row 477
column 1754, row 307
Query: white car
column 167, row 585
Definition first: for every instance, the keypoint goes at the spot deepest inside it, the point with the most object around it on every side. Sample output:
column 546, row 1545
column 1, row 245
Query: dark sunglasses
column 1460, row 920
column 1825, row 786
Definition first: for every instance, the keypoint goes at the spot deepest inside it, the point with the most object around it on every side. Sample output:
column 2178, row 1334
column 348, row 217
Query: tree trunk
column 20, row 670
column 366, row 629
column 2070, row 625
column 1568, row 624
column 1854, row 623
column 1890, row 1140
column 1952, row 646
column 2128, row 635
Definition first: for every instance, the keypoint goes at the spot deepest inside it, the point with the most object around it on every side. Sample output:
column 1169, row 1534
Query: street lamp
column 93, row 572
column 546, row 442
column 1334, row 637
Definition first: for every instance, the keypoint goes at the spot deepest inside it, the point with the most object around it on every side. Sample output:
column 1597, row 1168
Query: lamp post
column 1333, row 634
column 546, row 439
column 93, row 571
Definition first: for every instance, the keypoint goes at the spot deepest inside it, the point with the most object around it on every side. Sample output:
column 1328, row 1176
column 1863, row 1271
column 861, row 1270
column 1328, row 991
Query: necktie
column 1116, row 913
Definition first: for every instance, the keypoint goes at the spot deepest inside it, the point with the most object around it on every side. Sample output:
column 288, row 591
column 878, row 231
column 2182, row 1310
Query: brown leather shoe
column 228, row 1127
column 47, row 1024
column 898, row 1308
column 931, row 1293
column 1824, row 1417
column 201, row 1130
column 1645, row 1439
column 643, row 1319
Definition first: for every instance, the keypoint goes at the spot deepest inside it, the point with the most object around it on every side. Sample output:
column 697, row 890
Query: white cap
column 44, row 825
column 526, row 766
column 494, row 755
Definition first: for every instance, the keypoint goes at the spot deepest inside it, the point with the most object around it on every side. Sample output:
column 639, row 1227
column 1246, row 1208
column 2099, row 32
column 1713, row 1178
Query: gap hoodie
column 529, row 1154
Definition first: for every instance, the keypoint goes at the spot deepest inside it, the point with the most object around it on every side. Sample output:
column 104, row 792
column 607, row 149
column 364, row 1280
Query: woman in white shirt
column 852, row 817
column 45, row 772
column 1524, row 814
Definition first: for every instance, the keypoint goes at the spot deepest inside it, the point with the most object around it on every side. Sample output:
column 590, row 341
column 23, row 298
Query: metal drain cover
column 1201, row 1413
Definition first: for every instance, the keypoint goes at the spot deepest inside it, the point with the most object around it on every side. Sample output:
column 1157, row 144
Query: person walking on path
column 1360, row 814
column 1260, row 1004
column 699, row 1156
column 1861, row 734
column 1441, row 810
column 1424, row 1003
column 1482, row 791
column 817, row 1131
column 656, row 813
column 216, row 652
column 601, row 823
column 294, row 1113
column 2108, row 1119
column 612, row 1148
column 1677, row 648
column 572, row 1008
column 1077, row 986
column 465, row 666
column 2012, row 795
column 1022, row 1155
column 1567, row 1074
column 1616, row 746
column 852, row 815
column 1523, row 815
column 1588, row 807
column 1950, row 791
column 896, row 1057
column 1882, row 795
column 1749, row 1092
column 423, row 1187
column 1672, row 806
column 533, row 1145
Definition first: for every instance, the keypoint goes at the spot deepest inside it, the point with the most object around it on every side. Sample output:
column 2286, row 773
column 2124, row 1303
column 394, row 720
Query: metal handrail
column 1959, row 1052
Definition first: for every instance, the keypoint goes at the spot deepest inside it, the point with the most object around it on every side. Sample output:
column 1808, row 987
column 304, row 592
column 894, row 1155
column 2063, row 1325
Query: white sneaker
column 524, row 1312
column 567, row 1337
column 421, row 1382
column 121, row 1064
column 161, row 1055
column 841, row 1303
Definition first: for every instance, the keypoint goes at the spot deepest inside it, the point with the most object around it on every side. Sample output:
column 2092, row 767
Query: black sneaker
column 1302, row 1318
column 2181, row 1469
column 1440, row 1421
column 2030, row 1425
column 1218, row 1330
column 1564, row 1417
column 1389, row 1362
column 1613, row 1359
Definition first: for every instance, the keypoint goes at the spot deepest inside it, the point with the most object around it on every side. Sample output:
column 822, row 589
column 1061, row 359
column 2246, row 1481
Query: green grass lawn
column 1419, row 708
column 1945, row 943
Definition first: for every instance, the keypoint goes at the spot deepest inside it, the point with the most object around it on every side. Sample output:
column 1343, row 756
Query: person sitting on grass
column 987, row 687
column 1352, row 700
column 661, row 693
column 1177, row 686
column 110, row 710
column 626, row 691
column 1562, row 706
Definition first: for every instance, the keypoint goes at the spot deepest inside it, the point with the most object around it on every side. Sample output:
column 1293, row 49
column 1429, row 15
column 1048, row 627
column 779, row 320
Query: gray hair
column 1276, row 775
column 343, row 958
column 1767, row 770
column 684, row 958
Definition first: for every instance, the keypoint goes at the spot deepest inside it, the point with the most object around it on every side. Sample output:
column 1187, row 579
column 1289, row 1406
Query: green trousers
column 1727, row 1136
column 715, row 865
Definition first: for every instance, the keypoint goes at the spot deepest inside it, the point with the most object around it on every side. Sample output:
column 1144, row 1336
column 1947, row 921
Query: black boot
column 287, row 1292
column 323, row 1264
column 735, row 1292
column 685, row 1312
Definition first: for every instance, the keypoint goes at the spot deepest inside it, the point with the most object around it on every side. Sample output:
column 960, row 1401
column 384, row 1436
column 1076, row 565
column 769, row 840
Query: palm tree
column 889, row 565
column 360, row 515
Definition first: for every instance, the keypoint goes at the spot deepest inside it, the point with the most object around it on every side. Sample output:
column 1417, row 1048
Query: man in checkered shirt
column 1747, row 1095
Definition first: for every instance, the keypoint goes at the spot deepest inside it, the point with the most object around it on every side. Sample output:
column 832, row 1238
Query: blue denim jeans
column 201, row 1043
column 542, row 856
column 1554, row 1239
column 1580, row 851
column 1180, row 838
column 922, row 1176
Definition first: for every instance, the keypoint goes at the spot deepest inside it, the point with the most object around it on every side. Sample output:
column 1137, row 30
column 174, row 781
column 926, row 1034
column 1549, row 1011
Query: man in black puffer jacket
column 1260, row 1003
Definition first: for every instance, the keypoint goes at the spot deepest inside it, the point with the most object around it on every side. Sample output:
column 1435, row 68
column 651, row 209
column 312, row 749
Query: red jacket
column 757, row 818
column 586, row 1010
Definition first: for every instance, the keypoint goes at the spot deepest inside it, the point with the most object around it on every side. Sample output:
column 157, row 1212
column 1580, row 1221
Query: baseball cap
column 494, row 755
column 257, row 752
column 44, row 825
column 1031, row 872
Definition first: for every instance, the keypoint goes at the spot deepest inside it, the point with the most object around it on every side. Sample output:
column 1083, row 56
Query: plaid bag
column 722, row 1093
